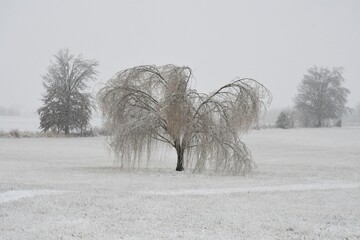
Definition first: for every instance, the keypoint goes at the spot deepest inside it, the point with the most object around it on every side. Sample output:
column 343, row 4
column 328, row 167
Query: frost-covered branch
column 147, row 104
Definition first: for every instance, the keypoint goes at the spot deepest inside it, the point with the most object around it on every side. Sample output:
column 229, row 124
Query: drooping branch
column 147, row 104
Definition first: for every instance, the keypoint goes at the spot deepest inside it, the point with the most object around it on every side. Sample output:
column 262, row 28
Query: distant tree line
column 9, row 111
column 149, row 104
column 67, row 106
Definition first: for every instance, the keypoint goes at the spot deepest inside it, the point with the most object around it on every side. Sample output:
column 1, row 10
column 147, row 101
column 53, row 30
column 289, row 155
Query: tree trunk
column 66, row 129
column 319, row 123
column 180, row 157
column 67, row 114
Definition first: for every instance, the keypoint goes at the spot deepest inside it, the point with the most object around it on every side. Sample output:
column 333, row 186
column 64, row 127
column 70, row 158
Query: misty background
column 274, row 42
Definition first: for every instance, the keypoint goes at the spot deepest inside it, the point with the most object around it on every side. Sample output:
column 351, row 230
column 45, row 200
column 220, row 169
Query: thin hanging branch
column 146, row 104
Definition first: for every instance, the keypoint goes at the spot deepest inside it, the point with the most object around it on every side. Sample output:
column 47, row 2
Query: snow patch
column 264, row 189
column 19, row 194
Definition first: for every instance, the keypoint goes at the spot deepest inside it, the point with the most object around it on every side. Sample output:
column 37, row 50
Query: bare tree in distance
column 145, row 105
column 66, row 104
column 321, row 96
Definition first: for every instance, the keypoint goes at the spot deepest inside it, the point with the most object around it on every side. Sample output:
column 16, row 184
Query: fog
column 274, row 42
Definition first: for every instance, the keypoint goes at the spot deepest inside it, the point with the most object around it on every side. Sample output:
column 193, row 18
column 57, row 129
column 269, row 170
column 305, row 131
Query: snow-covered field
column 306, row 186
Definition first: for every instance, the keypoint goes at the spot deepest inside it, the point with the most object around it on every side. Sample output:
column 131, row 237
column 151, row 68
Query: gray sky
column 274, row 42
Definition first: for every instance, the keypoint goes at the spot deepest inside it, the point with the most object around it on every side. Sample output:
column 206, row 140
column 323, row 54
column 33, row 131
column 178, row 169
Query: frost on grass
column 19, row 194
column 145, row 105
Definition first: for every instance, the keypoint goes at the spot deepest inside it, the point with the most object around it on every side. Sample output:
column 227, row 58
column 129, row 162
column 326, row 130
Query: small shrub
column 100, row 131
column 286, row 119
column 338, row 123
column 14, row 133
column 282, row 121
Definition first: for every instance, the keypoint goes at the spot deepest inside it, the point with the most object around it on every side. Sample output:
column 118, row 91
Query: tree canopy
column 149, row 104
column 66, row 104
column 321, row 96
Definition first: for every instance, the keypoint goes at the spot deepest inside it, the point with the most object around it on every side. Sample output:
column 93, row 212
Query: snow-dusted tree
column 147, row 104
column 321, row 96
column 66, row 104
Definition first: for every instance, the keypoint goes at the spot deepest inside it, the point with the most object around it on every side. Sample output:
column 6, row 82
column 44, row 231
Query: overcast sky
column 274, row 42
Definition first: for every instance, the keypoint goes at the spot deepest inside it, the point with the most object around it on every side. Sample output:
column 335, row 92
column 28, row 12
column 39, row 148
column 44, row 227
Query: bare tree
column 147, row 104
column 66, row 104
column 321, row 96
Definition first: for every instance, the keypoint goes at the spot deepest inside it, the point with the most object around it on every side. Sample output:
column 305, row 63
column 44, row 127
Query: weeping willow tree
column 147, row 104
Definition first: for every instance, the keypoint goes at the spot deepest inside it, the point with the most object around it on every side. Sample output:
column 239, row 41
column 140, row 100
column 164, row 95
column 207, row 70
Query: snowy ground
column 306, row 186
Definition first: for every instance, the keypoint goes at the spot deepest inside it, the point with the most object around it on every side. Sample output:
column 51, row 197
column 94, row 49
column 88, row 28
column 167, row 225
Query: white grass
column 306, row 186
